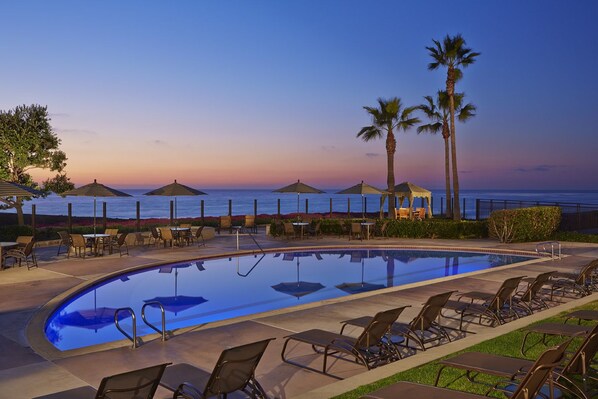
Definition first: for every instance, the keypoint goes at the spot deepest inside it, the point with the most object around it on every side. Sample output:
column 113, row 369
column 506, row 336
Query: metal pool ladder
column 548, row 248
column 163, row 331
column 133, row 338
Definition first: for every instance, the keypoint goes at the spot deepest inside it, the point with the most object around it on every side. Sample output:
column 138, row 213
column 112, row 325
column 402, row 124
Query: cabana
column 410, row 191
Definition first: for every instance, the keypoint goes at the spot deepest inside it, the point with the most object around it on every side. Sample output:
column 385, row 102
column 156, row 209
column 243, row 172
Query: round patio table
column 301, row 225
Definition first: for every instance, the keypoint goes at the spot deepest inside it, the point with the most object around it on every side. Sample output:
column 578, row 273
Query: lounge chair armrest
column 187, row 391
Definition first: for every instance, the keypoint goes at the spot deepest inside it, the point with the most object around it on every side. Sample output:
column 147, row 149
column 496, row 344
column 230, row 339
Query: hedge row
column 524, row 224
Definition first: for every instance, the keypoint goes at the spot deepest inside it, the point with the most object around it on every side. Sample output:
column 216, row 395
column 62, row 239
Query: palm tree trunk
column 450, row 89
column 447, row 173
column 391, row 147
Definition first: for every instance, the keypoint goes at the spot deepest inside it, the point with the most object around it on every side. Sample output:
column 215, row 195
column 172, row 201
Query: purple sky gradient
column 261, row 93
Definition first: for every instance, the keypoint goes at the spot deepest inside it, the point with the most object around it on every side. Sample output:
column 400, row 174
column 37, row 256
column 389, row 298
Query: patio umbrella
column 92, row 319
column 299, row 188
column 355, row 288
column 178, row 303
column 10, row 189
column 174, row 190
column 94, row 190
column 297, row 288
column 362, row 189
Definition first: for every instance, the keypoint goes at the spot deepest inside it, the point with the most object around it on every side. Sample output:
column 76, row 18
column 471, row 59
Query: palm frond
column 430, row 128
column 467, row 112
column 368, row 133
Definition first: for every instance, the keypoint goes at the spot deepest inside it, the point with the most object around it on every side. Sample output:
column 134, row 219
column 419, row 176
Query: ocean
column 216, row 202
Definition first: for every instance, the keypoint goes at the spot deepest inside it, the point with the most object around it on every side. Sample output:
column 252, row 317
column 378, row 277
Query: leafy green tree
column 390, row 116
column 27, row 141
column 438, row 114
column 453, row 55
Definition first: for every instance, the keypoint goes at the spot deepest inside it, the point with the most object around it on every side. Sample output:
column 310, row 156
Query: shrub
column 524, row 224
column 10, row 233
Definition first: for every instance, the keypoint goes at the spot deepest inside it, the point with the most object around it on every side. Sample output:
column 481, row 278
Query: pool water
column 201, row 292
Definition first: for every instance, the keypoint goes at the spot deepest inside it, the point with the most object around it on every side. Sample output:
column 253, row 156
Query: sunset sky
column 261, row 93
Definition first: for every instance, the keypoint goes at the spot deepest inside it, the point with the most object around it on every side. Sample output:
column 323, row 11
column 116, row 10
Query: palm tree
column 391, row 116
column 452, row 54
column 438, row 113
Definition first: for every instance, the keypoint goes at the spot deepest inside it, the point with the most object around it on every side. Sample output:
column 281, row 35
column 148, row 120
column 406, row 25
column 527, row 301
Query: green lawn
column 506, row 345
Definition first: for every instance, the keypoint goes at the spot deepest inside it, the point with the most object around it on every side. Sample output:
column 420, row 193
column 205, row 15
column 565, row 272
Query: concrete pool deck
column 28, row 370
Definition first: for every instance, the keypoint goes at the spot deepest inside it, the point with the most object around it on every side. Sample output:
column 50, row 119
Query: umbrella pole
column 298, row 203
column 94, row 215
column 362, row 208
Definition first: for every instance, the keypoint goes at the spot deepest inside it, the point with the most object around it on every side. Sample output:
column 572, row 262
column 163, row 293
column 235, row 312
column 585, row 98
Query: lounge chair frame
column 370, row 349
column 234, row 371
column 423, row 329
column 526, row 388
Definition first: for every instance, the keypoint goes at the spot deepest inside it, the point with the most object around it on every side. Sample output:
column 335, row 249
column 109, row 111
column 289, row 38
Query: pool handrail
column 133, row 338
column 153, row 327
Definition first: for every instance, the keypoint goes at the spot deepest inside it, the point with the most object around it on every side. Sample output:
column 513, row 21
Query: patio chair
column 423, row 329
column 80, row 245
column 249, row 224
column 370, row 349
column 65, row 240
column 199, row 236
column 154, row 235
column 136, row 384
column 315, row 229
column 109, row 242
column 403, row 213
column 167, row 236
column 579, row 284
column 21, row 254
column 531, row 298
column 356, row 231
column 526, row 388
column 234, row 371
column 576, row 364
column 494, row 307
column 288, row 230
column 420, row 213
column 23, row 241
column 225, row 222
column 120, row 242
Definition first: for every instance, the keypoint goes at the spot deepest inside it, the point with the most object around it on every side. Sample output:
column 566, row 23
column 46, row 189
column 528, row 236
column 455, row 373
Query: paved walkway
column 27, row 372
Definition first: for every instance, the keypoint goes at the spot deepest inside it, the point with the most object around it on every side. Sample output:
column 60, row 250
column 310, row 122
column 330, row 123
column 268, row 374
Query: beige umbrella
column 299, row 188
column 173, row 190
column 362, row 189
column 94, row 190
column 10, row 189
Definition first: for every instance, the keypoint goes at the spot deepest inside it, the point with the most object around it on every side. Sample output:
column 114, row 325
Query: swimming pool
column 205, row 291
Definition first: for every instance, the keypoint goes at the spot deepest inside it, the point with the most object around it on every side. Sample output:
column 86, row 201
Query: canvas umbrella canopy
column 356, row 288
column 298, row 188
column 362, row 189
column 177, row 303
column 95, row 190
column 297, row 288
column 10, row 189
column 174, row 190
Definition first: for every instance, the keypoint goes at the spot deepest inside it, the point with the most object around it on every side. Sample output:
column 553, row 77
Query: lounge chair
column 579, row 284
column 576, row 364
column 553, row 329
column 527, row 388
column 65, row 240
column 249, row 224
column 586, row 315
column 531, row 299
column 494, row 307
column 423, row 329
column 225, row 223
column 234, row 371
column 370, row 349
column 136, row 384
column 23, row 254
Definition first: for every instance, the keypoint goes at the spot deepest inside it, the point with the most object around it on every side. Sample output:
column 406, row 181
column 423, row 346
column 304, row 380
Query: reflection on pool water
column 198, row 292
